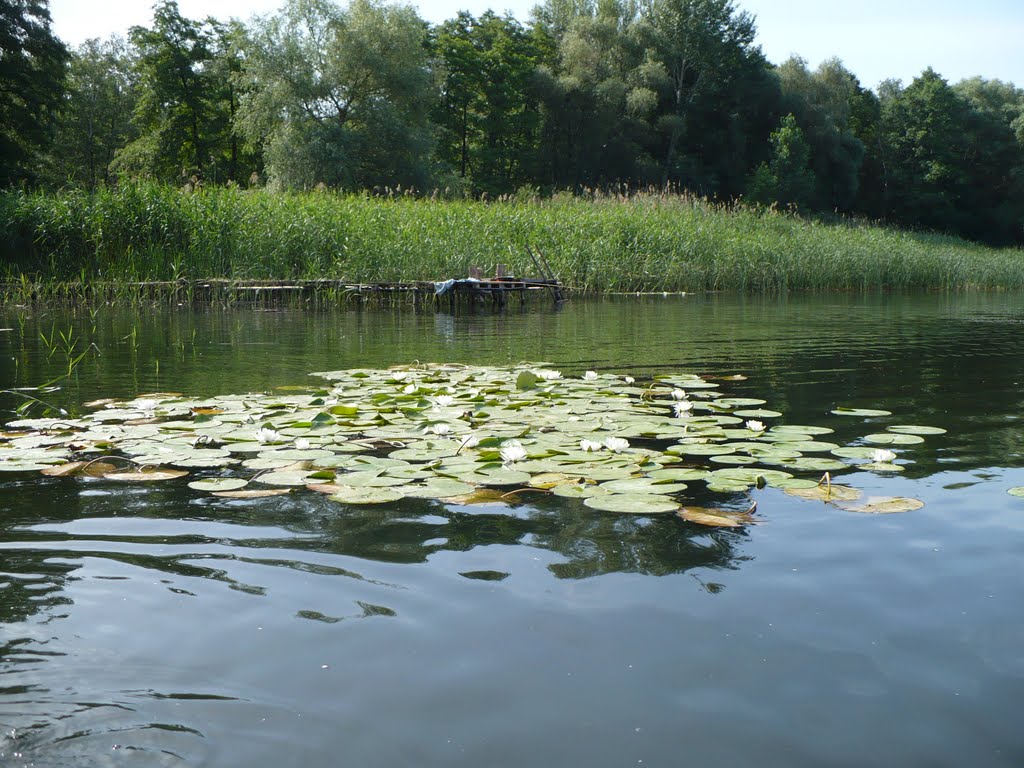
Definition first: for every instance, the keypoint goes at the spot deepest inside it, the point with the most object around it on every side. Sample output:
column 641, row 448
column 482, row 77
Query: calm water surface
column 158, row 626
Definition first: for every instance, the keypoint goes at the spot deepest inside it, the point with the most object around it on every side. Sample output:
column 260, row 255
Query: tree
column 926, row 153
column 179, row 113
column 95, row 119
column 787, row 179
column 340, row 96
column 822, row 101
column 32, row 64
column 694, row 47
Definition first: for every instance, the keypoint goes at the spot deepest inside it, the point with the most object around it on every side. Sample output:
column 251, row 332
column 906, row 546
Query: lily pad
column 260, row 493
column 883, row 505
column 825, row 492
column 632, row 503
column 438, row 488
column 913, row 429
column 861, row 412
column 1017, row 491
column 642, row 485
column 350, row 495
column 218, row 484
column 579, row 490
column 146, row 475
column 893, row 438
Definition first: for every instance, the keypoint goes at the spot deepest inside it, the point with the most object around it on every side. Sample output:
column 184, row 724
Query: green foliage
column 822, row 102
column 340, row 96
column 31, row 85
column 487, row 117
column 95, row 120
column 592, row 96
column 787, row 179
column 177, row 113
column 642, row 243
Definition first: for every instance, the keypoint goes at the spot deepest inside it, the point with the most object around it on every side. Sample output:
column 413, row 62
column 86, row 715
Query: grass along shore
column 605, row 244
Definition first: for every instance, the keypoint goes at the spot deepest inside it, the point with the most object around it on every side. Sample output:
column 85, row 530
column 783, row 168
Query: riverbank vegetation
column 599, row 243
column 586, row 95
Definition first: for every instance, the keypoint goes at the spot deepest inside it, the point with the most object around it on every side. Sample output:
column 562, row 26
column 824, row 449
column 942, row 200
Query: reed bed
column 642, row 242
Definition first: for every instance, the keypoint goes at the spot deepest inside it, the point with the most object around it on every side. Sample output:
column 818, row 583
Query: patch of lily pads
column 468, row 434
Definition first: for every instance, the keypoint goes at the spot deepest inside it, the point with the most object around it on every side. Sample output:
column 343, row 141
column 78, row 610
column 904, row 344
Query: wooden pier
column 498, row 291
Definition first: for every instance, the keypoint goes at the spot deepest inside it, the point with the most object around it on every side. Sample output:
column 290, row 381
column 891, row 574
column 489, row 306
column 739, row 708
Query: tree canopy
column 588, row 94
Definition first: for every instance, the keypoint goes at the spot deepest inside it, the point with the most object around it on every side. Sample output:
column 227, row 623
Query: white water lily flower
column 511, row 451
column 547, row 375
column 590, row 445
column 755, row 426
column 590, row 376
column 439, row 429
column 678, row 394
column 616, row 444
column 443, row 401
column 145, row 405
column 882, row 456
column 267, row 435
column 302, row 443
column 682, row 408
column 399, row 375
column 409, row 389
column 629, row 379
column 469, row 441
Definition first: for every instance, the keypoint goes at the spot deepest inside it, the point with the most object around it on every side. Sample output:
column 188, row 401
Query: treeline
column 589, row 95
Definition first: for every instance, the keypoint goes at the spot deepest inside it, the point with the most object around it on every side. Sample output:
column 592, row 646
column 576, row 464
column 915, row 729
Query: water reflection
column 159, row 626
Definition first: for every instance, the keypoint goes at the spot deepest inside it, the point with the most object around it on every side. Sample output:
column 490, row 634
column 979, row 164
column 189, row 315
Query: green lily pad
column 1017, row 491
column 797, row 429
column 681, row 474
column 883, row 505
column 912, row 429
column 728, row 486
column 219, row 484
column 437, row 488
column 642, row 485
column 350, row 495
column 284, row 477
column 497, row 478
column 146, row 475
column 633, row 503
column 860, row 412
column 260, row 493
column 824, row 492
column 882, row 466
column 579, row 490
column 893, row 438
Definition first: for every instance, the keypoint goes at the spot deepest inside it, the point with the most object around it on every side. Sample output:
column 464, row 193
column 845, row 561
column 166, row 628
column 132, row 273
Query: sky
column 875, row 39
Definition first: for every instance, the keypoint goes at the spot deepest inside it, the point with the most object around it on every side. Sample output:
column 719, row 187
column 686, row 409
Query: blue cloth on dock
column 440, row 289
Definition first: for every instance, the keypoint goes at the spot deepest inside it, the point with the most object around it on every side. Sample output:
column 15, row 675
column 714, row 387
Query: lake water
column 155, row 625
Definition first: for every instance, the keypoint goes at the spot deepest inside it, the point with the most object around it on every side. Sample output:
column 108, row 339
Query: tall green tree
column 179, row 114
column 95, row 118
column 822, row 100
column 341, row 96
column 32, row 71
column 787, row 179
column 488, row 114
column 926, row 154
column 694, row 48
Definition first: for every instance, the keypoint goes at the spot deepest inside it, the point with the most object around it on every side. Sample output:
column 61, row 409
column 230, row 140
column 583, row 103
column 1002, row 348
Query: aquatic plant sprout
column 447, row 432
